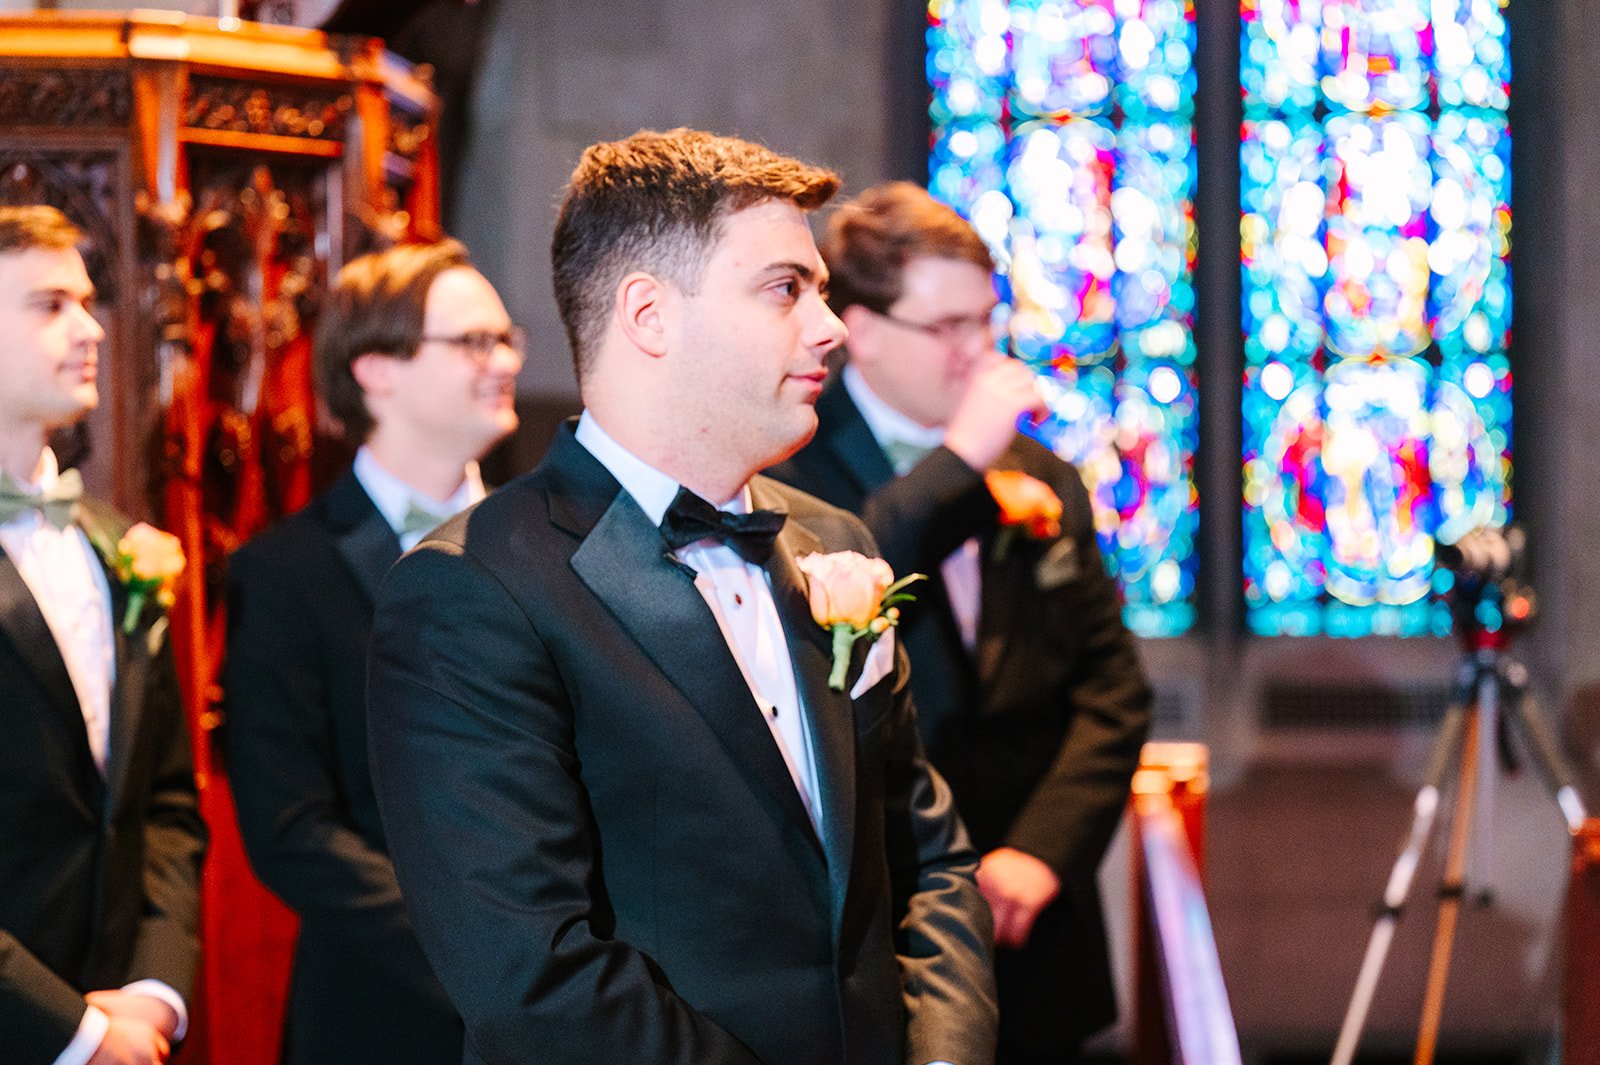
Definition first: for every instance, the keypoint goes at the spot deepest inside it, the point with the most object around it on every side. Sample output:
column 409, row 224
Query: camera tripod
column 1491, row 691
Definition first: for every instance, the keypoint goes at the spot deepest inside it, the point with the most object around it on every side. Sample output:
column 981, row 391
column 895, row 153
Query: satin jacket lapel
column 365, row 541
column 851, row 441
column 624, row 562
column 130, row 651
column 29, row 635
column 828, row 712
column 127, row 691
column 1003, row 585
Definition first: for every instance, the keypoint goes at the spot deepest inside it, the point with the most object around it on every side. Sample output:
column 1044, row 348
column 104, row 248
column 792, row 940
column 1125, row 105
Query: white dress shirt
column 62, row 570
column 961, row 569
column 64, row 574
column 740, row 597
column 393, row 497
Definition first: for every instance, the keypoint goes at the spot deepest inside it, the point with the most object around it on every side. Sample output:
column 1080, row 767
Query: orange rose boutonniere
column 1027, row 505
column 147, row 562
column 853, row 597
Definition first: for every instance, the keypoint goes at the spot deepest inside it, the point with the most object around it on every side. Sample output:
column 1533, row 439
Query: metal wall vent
column 1353, row 706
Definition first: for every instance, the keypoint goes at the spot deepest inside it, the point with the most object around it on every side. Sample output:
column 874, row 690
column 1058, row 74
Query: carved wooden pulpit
column 221, row 171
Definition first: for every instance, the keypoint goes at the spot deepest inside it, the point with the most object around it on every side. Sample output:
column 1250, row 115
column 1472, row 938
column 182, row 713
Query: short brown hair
column 375, row 306
column 870, row 239
column 37, row 226
column 655, row 202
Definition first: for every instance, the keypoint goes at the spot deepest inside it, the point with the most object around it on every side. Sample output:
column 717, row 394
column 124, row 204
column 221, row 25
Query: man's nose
column 88, row 327
column 505, row 359
column 829, row 330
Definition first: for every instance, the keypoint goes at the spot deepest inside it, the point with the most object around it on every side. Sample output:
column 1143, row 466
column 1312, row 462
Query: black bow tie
column 691, row 518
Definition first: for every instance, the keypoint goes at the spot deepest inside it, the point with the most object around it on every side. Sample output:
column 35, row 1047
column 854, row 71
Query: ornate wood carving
column 65, row 97
column 83, row 185
column 278, row 110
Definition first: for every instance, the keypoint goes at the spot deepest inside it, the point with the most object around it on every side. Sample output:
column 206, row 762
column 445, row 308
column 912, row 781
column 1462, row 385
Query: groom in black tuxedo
column 100, row 834
column 631, row 818
column 417, row 358
column 1029, row 691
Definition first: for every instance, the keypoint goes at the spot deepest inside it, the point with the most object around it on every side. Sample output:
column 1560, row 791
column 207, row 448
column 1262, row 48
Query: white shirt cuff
column 157, row 989
column 91, row 1030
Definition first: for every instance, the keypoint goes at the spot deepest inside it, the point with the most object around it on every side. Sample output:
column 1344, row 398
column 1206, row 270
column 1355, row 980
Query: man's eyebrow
column 57, row 292
column 805, row 273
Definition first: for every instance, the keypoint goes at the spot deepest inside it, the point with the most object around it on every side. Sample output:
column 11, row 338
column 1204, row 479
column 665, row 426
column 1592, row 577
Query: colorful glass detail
column 1374, row 236
column 1063, row 130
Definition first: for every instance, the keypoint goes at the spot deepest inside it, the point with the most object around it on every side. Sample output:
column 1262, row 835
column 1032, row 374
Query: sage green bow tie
column 903, row 454
column 55, row 504
column 420, row 520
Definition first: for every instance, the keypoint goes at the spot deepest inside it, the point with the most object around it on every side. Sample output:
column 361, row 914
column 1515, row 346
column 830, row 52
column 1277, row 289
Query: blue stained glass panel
column 1374, row 232
column 1063, row 129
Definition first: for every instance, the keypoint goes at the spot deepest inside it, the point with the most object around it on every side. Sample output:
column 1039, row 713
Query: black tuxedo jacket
column 604, row 852
column 299, row 621
column 99, row 876
column 1039, row 730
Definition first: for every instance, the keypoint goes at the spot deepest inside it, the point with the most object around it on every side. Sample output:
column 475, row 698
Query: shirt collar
column 888, row 425
column 49, row 470
column 653, row 490
column 393, row 497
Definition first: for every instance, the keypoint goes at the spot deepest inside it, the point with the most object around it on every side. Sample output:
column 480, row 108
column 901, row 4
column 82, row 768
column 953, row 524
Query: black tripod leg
column 1557, row 774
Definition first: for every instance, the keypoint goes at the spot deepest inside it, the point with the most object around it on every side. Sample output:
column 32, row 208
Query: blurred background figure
column 1029, row 692
column 417, row 359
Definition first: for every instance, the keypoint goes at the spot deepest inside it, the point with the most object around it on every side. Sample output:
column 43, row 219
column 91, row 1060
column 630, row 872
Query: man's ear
column 864, row 330
column 644, row 309
column 373, row 372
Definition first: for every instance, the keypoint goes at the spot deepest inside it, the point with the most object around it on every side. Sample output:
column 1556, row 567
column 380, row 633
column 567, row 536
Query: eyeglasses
column 480, row 346
column 956, row 329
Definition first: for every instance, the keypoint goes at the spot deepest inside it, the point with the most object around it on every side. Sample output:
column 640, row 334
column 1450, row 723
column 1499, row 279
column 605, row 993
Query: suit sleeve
column 285, row 776
column 168, row 947
column 477, row 776
column 944, row 930
column 1069, row 819
column 920, row 518
column 39, row 1011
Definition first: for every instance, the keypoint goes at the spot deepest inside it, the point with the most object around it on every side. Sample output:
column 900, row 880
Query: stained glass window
column 1374, row 238
column 1063, row 129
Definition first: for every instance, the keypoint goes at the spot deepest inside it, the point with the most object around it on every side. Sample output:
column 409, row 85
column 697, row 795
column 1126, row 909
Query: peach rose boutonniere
column 148, row 562
column 854, row 597
column 1027, row 506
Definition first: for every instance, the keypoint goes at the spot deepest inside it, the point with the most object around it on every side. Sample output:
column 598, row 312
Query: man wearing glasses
column 1029, row 693
column 417, row 359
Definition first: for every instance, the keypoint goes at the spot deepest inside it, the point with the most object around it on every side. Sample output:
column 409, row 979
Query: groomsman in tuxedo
column 416, row 357
column 100, row 835
column 1029, row 692
column 635, row 817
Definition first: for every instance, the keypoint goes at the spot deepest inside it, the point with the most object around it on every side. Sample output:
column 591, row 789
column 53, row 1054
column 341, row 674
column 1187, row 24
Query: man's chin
column 83, row 404
column 798, row 442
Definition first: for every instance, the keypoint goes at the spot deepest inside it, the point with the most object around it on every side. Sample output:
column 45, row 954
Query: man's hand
column 985, row 420
column 129, row 1041
column 1017, row 886
column 147, row 1008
